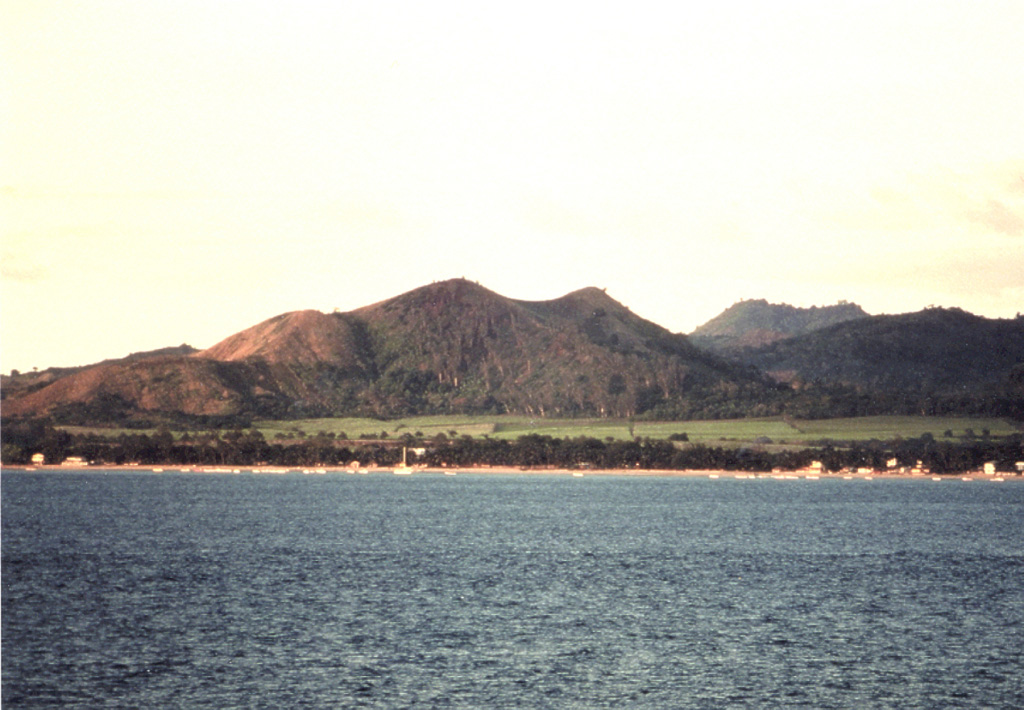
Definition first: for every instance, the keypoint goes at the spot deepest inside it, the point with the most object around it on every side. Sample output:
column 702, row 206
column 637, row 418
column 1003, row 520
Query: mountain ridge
column 457, row 347
column 451, row 346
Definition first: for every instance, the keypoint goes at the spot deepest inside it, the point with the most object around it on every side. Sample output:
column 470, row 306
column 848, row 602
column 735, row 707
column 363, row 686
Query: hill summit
column 755, row 323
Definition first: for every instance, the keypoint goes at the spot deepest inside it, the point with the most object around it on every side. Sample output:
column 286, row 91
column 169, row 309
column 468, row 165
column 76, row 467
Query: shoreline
column 512, row 470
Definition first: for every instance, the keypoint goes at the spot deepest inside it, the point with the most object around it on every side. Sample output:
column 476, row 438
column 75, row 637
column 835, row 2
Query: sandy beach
column 516, row 471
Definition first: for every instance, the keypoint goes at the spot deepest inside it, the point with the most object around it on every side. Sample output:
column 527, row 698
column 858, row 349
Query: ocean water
column 216, row 591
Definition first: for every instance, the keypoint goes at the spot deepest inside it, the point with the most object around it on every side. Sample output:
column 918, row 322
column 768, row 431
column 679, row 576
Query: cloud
column 21, row 270
column 983, row 198
column 997, row 198
column 1000, row 218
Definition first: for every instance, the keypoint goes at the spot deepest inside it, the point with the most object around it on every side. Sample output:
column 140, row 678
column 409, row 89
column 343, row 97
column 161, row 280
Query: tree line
column 250, row 447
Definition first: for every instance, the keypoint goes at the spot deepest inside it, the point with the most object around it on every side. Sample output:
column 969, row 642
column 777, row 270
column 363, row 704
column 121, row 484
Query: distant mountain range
column 456, row 347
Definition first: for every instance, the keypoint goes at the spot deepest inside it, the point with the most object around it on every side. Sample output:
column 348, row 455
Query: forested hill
column 452, row 346
column 939, row 354
column 455, row 345
column 755, row 323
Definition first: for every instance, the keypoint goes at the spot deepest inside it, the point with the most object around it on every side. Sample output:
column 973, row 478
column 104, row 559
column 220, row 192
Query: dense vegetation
column 754, row 323
column 248, row 448
column 936, row 362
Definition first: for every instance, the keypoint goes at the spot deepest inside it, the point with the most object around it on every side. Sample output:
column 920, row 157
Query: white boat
column 403, row 469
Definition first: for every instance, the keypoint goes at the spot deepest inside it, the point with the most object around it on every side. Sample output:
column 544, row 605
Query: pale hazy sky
column 178, row 171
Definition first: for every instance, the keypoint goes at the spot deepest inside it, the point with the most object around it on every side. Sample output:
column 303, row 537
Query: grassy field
column 373, row 428
column 512, row 427
column 890, row 427
column 779, row 430
column 734, row 431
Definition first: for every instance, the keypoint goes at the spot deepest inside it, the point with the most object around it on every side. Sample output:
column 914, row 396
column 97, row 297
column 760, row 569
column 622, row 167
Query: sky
column 173, row 172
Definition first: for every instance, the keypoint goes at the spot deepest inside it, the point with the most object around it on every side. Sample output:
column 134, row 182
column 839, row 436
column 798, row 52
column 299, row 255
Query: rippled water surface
column 175, row 590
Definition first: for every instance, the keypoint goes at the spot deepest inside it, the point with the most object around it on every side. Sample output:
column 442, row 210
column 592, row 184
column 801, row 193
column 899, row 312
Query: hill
column 936, row 358
column 756, row 323
column 452, row 346
column 20, row 383
column 458, row 346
